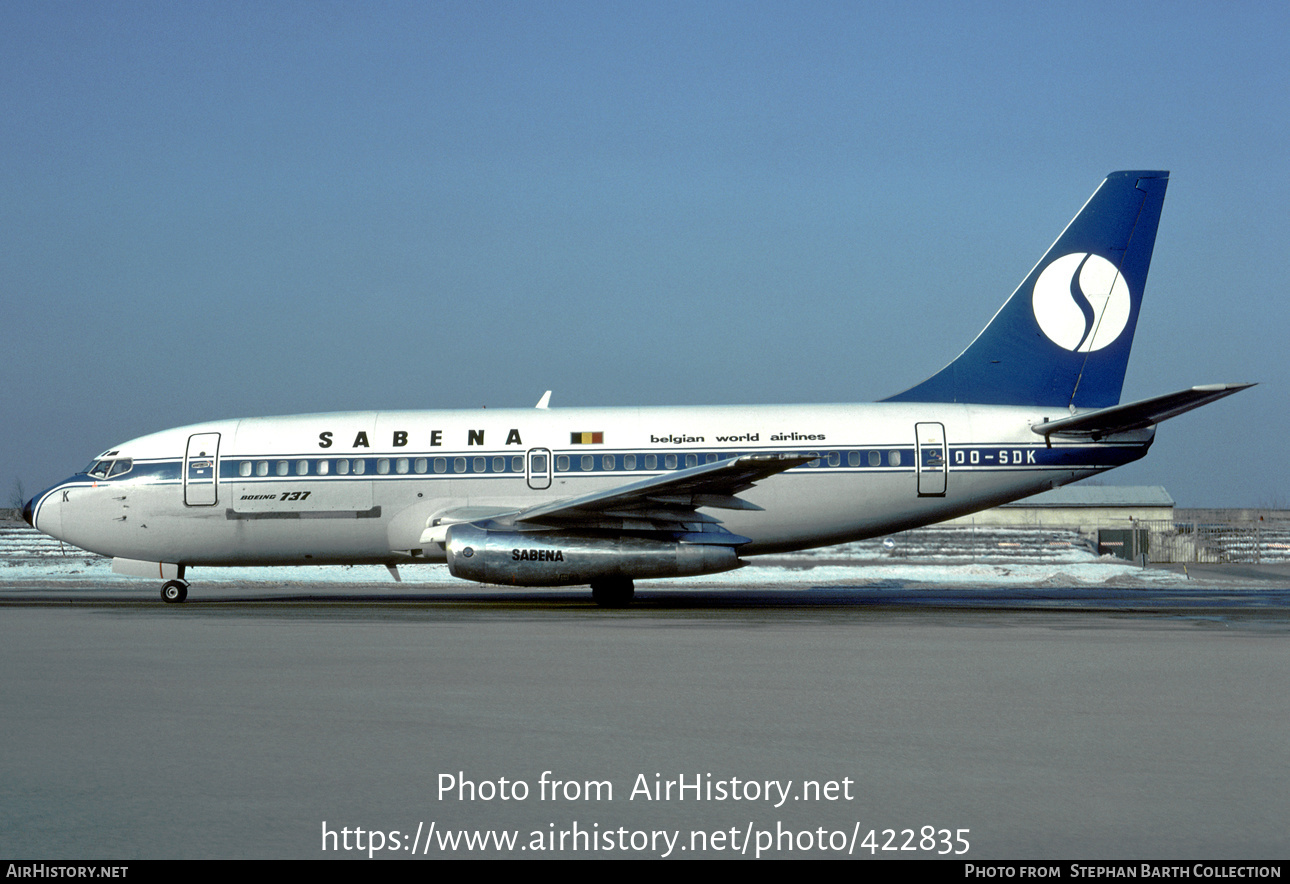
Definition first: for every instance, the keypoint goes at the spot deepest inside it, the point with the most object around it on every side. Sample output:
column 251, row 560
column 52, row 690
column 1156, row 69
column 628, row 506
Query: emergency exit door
column 538, row 468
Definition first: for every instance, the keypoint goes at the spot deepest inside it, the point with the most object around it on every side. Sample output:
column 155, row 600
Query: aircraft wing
column 668, row 502
column 1137, row 415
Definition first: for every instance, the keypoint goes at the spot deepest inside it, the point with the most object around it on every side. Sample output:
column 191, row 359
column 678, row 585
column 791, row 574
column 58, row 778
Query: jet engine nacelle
column 553, row 558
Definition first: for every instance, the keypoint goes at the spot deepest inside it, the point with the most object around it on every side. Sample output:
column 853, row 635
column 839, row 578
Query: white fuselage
column 363, row 487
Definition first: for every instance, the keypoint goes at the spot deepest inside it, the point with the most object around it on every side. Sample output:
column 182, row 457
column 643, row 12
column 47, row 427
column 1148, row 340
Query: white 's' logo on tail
column 1081, row 302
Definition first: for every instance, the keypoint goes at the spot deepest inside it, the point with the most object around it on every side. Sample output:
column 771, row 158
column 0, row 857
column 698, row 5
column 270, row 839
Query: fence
column 1250, row 542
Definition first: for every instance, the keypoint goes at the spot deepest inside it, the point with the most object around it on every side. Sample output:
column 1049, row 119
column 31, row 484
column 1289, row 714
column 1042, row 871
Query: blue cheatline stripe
column 888, row 459
column 975, row 457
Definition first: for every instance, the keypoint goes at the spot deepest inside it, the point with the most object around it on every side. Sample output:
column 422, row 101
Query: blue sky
column 224, row 210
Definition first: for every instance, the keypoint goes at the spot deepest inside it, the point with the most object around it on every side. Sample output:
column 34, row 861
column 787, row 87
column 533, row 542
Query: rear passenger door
column 933, row 459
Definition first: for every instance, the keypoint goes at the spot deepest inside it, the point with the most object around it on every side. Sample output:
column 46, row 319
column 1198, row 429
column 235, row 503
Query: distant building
column 1085, row 508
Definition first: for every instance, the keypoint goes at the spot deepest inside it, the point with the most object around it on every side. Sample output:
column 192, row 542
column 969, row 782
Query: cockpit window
column 106, row 468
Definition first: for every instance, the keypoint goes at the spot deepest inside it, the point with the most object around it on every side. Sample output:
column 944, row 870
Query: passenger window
column 480, row 465
column 691, row 460
column 302, row 468
column 875, row 458
column 382, row 465
column 816, row 462
column 324, row 467
column 669, row 461
column 562, row 463
column 537, row 463
column 608, row 461
column 835, row 459
column 853, row 458
column 262, row 468
column 342, row 467
column 420, row 464
column 401, row 466
column 244, row 468
column 459, row 464
column 893, row 458
column 499, row 465
column 588, row 463
column 651, row 461
column 441, row 465
column 360, row 467
column 517, row 464
column 282, row 468
column 629, row 461
column 712, row 458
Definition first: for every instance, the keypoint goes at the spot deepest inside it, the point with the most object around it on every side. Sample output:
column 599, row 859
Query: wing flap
column 712, row 501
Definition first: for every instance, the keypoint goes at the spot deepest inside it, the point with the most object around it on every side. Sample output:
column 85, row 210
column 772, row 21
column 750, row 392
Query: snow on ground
column 945, row 557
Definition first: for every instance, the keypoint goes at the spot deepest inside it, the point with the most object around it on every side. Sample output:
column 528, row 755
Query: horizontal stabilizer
column 1137, row 415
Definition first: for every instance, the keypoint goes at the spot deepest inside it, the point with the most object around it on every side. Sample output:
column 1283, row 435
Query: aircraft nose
column 26, row 513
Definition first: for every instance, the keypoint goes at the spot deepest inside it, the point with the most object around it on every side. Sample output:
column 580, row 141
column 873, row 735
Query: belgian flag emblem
column 587, row 438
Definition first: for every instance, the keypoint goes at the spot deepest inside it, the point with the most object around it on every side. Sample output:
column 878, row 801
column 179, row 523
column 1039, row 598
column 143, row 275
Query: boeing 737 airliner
column 604, row 496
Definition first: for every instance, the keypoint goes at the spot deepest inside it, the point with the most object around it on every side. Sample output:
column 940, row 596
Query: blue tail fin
column 1063, row 338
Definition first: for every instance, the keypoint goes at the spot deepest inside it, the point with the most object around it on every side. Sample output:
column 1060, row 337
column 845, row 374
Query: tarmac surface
column 1110, row 714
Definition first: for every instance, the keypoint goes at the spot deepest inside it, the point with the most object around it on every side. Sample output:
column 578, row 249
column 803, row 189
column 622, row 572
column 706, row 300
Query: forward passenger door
column 201, row 470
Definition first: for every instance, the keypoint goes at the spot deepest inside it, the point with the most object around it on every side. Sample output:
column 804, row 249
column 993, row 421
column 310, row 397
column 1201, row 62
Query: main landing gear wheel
column 613, row 593
column 174, row 591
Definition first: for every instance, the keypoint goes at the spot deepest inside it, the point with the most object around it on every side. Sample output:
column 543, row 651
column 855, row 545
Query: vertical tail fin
column 1063, row 337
